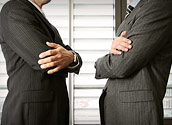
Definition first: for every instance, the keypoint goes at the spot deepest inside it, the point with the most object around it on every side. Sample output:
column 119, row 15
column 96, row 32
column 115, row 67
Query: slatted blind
column 57, row 12
column 93, row 34
column 168, row 98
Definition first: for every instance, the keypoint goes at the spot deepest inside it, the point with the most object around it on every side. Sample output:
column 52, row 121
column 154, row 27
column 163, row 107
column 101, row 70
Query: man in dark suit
column 37, row 69
column 137, row 79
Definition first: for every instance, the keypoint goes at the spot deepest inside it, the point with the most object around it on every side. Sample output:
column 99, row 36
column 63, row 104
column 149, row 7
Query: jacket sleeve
column 150, row 33
column 22, row 32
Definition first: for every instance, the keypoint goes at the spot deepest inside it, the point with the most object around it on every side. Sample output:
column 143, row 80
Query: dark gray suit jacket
column 34, row 98
column 137, row 79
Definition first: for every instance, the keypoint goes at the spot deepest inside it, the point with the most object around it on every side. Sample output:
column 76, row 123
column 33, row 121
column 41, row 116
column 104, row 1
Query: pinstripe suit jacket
column 34, row 98
column 137, row 79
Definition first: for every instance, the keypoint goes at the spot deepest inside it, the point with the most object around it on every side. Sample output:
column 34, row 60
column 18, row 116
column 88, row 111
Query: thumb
column 123, row 33
column 53, row 45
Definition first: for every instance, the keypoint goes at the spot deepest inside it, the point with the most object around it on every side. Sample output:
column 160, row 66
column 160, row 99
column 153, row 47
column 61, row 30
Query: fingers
column 48, row 53
column 123, row 33
column 123, row 39
column 121, row 43
column 54, row 70
column 47, row 60
column 53, row 45
column 116, row 52
column 49, row 65
column 126, row 45
column 122, row 46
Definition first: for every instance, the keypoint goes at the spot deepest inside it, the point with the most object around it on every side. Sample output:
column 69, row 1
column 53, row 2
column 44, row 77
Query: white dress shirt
column 134, row 3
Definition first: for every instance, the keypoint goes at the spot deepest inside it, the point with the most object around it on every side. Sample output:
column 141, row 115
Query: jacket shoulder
column 15, row 5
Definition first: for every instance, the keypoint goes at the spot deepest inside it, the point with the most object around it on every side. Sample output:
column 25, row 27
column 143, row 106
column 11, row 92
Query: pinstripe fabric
column 137, row 79
column 34, row 98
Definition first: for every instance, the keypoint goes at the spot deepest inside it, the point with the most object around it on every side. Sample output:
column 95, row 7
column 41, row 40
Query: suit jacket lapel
column 38, row 13
column 130, row 17
column 136, row 9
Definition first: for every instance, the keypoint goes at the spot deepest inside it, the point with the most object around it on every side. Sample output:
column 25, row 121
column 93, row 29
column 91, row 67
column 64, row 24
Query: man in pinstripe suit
column 137, row 79
column 37, row 69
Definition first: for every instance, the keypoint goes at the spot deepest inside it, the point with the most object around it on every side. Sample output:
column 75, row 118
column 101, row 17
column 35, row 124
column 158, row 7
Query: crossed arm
column 22, row 32
column 59, row 58
column 149, row 34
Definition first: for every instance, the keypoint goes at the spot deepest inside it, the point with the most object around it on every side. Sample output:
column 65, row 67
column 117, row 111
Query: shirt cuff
column 74, row 64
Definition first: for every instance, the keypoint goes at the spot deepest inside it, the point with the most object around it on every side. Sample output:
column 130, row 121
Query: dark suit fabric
column 137, row 79
column 34, row 98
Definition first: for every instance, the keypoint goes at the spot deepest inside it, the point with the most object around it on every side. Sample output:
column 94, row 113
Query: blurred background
column 88, row 26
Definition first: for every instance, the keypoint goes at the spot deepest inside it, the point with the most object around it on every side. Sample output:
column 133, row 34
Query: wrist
column 74, row 59
column 71, row 57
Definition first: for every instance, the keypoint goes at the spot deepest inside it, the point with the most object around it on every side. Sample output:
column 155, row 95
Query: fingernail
column 129, row 46
column 47, row 42
column 126, row 49
column 39, row 62
column 40, row 56
column 120, row 53
column 42, row 67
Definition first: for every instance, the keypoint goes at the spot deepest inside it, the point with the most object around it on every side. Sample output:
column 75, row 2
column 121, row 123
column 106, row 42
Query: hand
column 120, row 43
column 58, row 57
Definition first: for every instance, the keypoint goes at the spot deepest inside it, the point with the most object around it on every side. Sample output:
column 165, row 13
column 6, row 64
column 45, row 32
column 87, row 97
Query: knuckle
column 120, row 43
column 45, row 66
column 126, row 45
column 114, row 52
column 122, row 48
column 117, row 46
column 55, row 70
column 54, row 63
column 60, row 55
column 58, row 49
column 122, row 38
column 51, row 59
column 50, row 52
column 56, row 58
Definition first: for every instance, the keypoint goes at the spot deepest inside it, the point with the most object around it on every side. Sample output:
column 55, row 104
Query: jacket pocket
column 136, row 96
column 37, row 107
column 37, row 96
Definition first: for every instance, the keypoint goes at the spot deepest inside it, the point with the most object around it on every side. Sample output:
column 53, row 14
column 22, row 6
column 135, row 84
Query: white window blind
column 57, row 12
column 93, row 34
column 168, row 98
